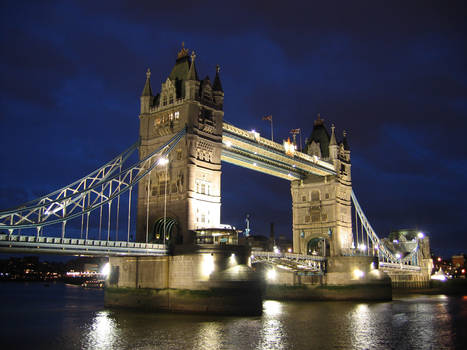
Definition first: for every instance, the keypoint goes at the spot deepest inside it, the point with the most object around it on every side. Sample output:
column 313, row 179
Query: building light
column 289, row 148
column 162, row 161
column 232, row 260
column 358, row 273
column 398, row 256
column 271, row 275
column 421, row 235
column 228, row 144
column 106, row 270
column 207, row 265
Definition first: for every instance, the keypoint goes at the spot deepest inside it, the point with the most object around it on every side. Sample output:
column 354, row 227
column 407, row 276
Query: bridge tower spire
column 321, row 206
column 187, row 189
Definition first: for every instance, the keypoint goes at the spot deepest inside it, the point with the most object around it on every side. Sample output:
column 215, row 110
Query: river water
column 59, row 316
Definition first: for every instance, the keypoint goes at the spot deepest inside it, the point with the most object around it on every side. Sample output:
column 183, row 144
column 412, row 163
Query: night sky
column 392, row 74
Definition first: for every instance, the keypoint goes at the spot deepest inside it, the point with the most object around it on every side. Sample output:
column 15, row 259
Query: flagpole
column 272, row 131
column 301, row 149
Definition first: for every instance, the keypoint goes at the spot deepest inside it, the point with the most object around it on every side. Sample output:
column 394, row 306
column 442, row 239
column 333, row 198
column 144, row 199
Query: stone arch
column 171, row 230
column 318, row 246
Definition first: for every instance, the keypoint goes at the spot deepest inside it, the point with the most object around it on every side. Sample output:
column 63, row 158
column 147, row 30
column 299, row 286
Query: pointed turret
column 345, row 142
column 147, row 86
column 318, row 140
column 333, row 147
column 218, row 93
column 217, row 86
column 192, row 74
column 146, row 96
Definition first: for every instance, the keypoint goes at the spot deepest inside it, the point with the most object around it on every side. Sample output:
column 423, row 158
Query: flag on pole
column 268, row 117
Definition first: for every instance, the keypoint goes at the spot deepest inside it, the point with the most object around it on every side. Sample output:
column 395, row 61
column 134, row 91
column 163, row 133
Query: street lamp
column 165, row 161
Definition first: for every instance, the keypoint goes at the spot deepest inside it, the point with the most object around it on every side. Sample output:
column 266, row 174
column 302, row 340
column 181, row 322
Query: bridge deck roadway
column 74, row 246
column 249, row 150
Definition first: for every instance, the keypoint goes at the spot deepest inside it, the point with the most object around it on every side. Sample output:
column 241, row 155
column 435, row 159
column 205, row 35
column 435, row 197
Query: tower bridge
column 183, row 139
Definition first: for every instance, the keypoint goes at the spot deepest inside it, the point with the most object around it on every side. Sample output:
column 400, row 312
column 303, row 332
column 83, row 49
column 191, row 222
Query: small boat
column 99, row 284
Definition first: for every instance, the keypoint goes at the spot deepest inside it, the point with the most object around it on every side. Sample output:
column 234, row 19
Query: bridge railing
column 78, row 246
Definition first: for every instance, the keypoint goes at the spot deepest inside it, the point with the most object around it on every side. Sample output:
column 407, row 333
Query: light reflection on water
column 103, row 332
column 71, row 318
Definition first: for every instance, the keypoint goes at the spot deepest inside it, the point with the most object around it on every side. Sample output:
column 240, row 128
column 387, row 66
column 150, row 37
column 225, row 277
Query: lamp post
column 165, row 161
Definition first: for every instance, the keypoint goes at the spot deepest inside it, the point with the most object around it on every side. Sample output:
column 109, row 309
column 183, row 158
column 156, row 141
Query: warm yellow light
column 162, row 161
column 207, row 265
column 271, row 274
column 106, row 270
column 358, row 273
column 232, row 259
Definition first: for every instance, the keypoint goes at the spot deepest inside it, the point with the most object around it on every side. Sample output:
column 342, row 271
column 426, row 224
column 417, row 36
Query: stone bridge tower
column 188, row 188
column 322, row 220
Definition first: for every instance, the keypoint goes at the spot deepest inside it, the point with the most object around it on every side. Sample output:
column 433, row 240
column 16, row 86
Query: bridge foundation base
column 347, row 278
column 201, row 279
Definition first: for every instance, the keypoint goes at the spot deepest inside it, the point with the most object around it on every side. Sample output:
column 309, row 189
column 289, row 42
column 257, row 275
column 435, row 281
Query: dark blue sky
column 393, row 74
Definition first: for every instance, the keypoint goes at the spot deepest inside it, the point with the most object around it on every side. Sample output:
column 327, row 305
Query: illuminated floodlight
column 232, row 259
column 106, row 270
column 398, row 256
column 439, row 277
column 207, row 265
column 271, row 275
column 289, row 250
column 421, row 235
column 362, row 247
column 163, row 161
column 254, row 164
column 276, row 250
column 358, row 273
column 228, row 144
column 395, row 241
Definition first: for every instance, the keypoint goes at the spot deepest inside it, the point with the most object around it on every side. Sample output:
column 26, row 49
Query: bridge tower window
column 315, row 196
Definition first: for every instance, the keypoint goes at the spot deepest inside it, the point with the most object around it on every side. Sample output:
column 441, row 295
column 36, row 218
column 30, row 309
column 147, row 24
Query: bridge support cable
column 98, row 175
column 68, row 209
column 385, row 254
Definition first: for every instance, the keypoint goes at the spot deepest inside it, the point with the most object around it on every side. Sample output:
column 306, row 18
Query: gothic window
column 203, row 188
column 179, row 154
column 164, row 103
column 177, row 115
column 324, row 217
column 171, row 99
column 315, row 217
column 303, row 198
column 171, row 116
column 203, row 218
column 327, row 195
column 307, row 218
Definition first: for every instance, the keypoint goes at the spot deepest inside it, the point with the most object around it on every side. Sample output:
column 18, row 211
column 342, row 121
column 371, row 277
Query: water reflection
column 273, row 331
column 102, row 333
column 73, row 318
column 362, row 327
column 209, row 336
